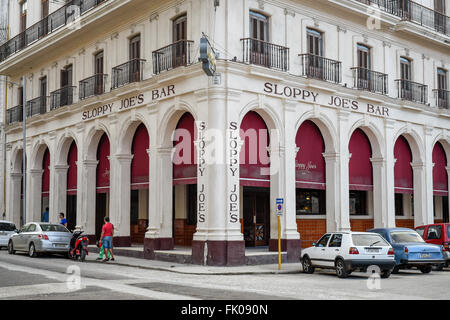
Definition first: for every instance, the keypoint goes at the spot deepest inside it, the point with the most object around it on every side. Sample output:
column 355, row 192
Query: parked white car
column 7, row 229
column 349, row 251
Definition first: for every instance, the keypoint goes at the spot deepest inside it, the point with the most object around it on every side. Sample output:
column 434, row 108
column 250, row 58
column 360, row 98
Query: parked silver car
column 7, row 229
column 36, row 238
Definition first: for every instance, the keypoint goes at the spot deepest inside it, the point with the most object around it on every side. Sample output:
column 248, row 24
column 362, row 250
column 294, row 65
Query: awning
column 254, row 157
column 309, row 162
column 440, row 177
column 140, row 162
column 403, row 174
column 360, row 166
column 46, row 174
column 72, row 172
column 185, row 156
column 103, row 167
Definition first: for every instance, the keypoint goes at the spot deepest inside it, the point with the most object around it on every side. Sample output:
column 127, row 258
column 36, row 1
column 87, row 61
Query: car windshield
column 369, row 240
column 406, row 236
column 53, row 228
column 5, row 226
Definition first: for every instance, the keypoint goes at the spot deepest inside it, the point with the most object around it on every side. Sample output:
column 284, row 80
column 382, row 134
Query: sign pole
column 279, row 242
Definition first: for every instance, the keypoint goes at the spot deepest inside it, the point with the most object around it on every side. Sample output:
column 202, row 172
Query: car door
column 317, row 255
column 28, row 235
column 18, row 241
column 333, row 249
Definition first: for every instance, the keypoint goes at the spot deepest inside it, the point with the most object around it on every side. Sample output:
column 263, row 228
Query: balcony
column 61, row 17
column 37, row 106
column 412, row 91
column 178, row 54
column 412, row 11
column 92, row 86
column 129, row 72
column 365, row 79
column 321, row 68
column 62, row 97
column 265, row 54
column 14, row 115
column 442, row 98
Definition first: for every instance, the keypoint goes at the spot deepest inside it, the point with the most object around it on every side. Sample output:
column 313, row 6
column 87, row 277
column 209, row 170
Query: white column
column 380, row 211
column 60, row 190
column 343, row 215
column 120, row 187
column 332, row 191
column 389, row 195
column 14, row 200
column 428, row 177
column 34, row 194
column 88, row 195
column 420, row 196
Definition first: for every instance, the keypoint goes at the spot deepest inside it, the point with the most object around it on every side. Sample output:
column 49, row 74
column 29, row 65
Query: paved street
column 52, row 277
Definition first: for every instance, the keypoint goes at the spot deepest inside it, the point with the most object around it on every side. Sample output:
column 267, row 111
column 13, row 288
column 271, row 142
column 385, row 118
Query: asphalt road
column 53, row 277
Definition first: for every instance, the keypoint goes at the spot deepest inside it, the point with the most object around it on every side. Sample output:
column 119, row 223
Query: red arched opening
column 185, row 181
column 255, row 180
column 440, row 184
column 403, row 183
column 360, row 182
column 72, row 186
column 139, row 185
column 310, row 183
column 45, row 181
column 103, row 183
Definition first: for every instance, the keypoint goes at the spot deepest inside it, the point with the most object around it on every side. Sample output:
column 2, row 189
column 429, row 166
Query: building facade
column 339, row 107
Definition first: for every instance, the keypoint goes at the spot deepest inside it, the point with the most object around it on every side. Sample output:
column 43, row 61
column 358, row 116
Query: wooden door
column 98, row 65
column 364, row 66
column 179, row 51
column 256, row 217
column 135, row 56
column 259, row 43
column 100, row 212
column 315, row 50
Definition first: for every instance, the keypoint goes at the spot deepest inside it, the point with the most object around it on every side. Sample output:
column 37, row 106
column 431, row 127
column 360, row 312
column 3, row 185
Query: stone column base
column 152, row 244
column 219, row 253
column 293, row 248
column 121, row 241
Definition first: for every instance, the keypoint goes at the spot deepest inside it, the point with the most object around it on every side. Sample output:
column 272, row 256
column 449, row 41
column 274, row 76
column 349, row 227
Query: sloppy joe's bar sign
column 334, row 100
column 128, row 102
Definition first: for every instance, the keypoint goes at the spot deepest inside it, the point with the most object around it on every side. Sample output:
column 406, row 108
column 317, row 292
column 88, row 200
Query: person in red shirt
column 106, row 238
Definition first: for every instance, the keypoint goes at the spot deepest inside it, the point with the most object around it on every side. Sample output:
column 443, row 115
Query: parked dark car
column 411, row 250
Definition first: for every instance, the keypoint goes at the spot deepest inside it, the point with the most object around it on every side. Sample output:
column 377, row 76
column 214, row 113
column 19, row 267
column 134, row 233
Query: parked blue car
column 411, row 250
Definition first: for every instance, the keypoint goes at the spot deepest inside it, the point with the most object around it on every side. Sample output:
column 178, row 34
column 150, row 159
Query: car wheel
column 395, row 270
column 439, row 267
column 426, row 269
column 341, row 271
column 385, row 274
column 32, row 251
column 11, row 248
column 307, row 266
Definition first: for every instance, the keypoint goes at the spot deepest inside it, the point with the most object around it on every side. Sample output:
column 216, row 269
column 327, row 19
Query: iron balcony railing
column 175, row 55
column 442, row 98
column 62, row 97
column 92, row 86
column 37, row 106
column 14, row 115
column 412, row 11
column 265, row 54
column 321, row 68
column 412, row 91
column 61, row 17
column 129, row 72
column 365, row 79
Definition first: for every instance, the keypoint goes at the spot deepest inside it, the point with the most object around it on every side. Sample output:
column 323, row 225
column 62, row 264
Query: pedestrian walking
column 44, row 217
column 106, row 238
column 102, row 251
column 62, row 220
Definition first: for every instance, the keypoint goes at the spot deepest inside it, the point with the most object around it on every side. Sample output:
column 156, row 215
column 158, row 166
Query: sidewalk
column 182, row 268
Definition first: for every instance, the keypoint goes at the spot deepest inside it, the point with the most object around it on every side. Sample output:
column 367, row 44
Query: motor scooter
column 78, row 245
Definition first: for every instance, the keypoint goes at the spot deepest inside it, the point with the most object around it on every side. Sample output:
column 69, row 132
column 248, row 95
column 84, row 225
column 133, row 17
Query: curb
column 198, row 273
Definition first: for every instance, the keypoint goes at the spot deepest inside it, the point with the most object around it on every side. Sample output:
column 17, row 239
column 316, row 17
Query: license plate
column 373, row 250
column 60, row 245
column 425, row 255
